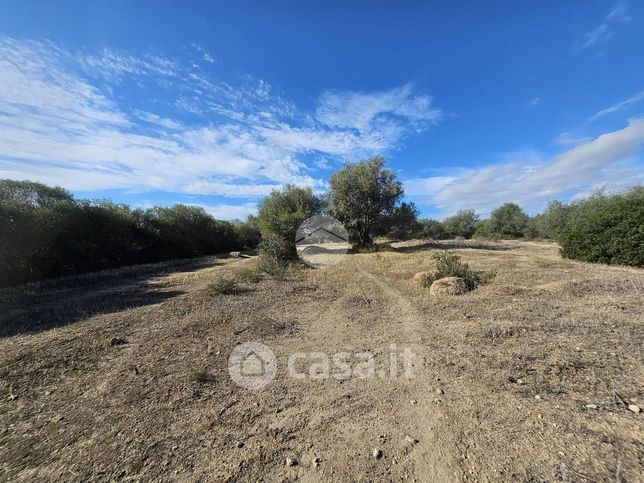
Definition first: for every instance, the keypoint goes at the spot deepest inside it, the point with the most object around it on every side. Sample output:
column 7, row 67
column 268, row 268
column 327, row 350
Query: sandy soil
column 527, row 378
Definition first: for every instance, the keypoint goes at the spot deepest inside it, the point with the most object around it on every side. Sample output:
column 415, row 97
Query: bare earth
column 528, row 378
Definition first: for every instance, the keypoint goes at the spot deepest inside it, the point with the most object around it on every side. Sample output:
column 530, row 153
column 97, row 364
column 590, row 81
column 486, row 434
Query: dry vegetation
column 526, row 378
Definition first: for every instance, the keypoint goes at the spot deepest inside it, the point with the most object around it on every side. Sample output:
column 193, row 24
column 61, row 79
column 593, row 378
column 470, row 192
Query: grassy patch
column 248, row 275
column 224, row 286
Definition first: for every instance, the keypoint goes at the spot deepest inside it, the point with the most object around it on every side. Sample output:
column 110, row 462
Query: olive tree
column 363, row 196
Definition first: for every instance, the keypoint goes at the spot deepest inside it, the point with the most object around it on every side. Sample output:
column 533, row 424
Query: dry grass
column 517, row 360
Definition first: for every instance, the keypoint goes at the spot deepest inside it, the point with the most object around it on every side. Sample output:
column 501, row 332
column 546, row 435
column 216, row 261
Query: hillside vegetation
column 45, row 232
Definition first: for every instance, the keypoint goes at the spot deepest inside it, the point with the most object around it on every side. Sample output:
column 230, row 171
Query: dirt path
column 503, row 376
column 435, row 458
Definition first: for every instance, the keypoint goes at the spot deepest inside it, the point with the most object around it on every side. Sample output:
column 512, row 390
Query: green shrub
column 449, row 264
column 282, row 212
column 223, row 285
column 432, row 229
column 248, row 232
column 464, row 224
column 403, row 224
column 45, row 232
column 278, row 248
column 606, row 229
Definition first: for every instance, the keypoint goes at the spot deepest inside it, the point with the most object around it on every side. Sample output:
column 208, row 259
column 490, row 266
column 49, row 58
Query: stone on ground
column 448, row 286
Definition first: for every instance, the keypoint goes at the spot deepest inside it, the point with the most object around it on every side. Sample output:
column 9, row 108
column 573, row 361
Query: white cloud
column 639, row 97
column 229, row 212
column 59, row 127
column 158, row 120
column 610, row 160
column 116, row 65
column 369, row 112
column 566, row 138
column 604, row 31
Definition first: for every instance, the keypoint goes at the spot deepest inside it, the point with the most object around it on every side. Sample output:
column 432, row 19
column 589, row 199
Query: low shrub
column 449, row 264
column 278, row 248
column 223, row 285
column 609, row 230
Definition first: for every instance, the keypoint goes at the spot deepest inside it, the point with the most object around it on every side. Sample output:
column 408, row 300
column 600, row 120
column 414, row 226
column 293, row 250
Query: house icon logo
column 321, row 241
column 252, row 365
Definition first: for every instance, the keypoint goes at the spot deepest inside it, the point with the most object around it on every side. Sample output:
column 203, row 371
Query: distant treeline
column 603, row 228
column 45, row 232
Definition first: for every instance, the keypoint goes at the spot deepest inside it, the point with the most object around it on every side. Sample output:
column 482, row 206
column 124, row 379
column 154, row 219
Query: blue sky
column 216, row 103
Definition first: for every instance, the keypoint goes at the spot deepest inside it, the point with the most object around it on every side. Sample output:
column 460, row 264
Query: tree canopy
column 363, row 196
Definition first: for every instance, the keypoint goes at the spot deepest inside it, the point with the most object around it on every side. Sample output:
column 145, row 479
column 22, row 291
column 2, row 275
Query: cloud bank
column 65, row 119
column 607, row 160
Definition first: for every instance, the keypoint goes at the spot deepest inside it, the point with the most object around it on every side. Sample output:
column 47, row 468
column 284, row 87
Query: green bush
column 364, row 196
column 403, row 224
column 507, row 221
column 282, row 212
column 449, row 264
column 278, row 248
column 223, row 285
column 432, row 229
column 464, row 224
column 45, row 232
column 248, row 232
column 606, row 229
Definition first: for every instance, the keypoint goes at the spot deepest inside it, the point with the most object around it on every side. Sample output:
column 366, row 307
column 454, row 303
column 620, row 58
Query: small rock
column 12, row 397
column 316, row 462
column 117, row 341
column 635, row 408
column 291, row 462
column 438, row 390
column 591, row 406
column 411, row 439
column 413, row 401
column 537, row 396
column 520, row 381
column 377, row 453
column 234, row 254
column 240, row 444
column 448, row 286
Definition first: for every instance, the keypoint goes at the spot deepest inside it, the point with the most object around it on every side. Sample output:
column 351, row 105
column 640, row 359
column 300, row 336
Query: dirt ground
column 527, row 378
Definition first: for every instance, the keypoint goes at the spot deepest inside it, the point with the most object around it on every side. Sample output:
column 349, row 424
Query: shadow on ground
column 49, row 314
column 455, row 245
column 58, row 302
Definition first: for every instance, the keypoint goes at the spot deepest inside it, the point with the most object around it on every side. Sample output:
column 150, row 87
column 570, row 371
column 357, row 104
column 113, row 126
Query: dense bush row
column 600, row 228
column 45, row 232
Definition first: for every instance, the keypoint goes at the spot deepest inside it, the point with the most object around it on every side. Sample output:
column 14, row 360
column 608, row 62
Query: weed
column 223, row 285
